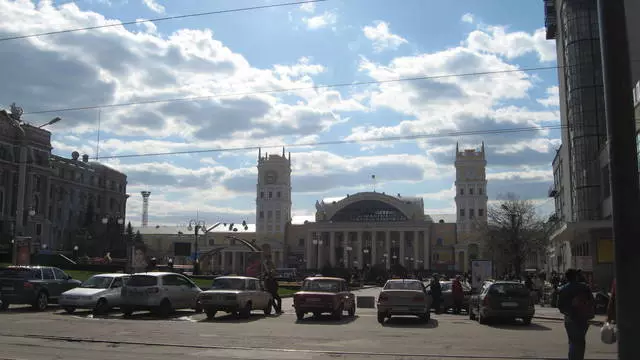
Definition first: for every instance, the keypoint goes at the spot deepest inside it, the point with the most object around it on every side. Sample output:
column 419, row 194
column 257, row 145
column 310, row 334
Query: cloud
column 382, row 38
column 308, row 8
column 468, row 18
column 154, row 6
column 552, row 99
column 496, row 40
column 328, row 18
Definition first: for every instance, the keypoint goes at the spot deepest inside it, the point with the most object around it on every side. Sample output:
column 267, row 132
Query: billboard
column 481, row 270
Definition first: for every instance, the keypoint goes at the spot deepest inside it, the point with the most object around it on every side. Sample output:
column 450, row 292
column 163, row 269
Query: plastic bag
column 608, row 333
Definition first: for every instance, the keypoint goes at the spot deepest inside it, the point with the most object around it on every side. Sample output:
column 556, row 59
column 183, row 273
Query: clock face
column 270, row 177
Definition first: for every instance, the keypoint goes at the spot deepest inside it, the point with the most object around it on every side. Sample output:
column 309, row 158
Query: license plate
column 510, row 304
column 314, row 300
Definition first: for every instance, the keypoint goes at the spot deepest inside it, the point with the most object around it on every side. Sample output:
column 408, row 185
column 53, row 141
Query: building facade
column 48, row 197
column 581, row 186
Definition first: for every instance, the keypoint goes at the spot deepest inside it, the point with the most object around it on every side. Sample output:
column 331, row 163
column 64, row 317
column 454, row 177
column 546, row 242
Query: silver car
column 404, row 297
column 159, row 292
column 236, row 295
column 100, row 293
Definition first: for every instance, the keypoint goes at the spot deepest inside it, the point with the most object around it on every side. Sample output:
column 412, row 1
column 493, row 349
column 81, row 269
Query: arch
column 369, row 211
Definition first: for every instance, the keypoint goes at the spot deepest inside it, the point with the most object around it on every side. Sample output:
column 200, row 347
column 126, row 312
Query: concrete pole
column 22, row 187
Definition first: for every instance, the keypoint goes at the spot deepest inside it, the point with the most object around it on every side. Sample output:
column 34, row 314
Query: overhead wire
column 176, row 17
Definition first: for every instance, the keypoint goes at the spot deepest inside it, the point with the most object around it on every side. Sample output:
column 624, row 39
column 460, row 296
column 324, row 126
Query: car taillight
column 383, row 298
column 153, row 290
column 485, row 301
column 27, row 285
column 418, row 298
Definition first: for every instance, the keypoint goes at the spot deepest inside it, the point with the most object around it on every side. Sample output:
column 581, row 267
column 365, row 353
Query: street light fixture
column 50, row 122
column 32, row 212
column 196, row 225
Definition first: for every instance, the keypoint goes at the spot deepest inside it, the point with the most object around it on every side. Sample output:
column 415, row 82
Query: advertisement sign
column 139, row 259
column 22, row 251
column 481, row 270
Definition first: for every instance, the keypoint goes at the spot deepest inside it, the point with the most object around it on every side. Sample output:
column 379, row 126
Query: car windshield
column 228, row 284
column 321, row 285
column 509, row 289
column 97, row 282
column 403, row 285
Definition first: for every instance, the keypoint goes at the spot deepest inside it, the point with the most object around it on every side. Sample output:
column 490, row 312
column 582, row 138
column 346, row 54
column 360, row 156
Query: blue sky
column 331, row 42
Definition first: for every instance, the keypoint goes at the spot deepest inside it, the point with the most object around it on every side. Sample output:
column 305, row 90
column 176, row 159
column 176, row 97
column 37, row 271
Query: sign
column 584, row 263
column 481, row 270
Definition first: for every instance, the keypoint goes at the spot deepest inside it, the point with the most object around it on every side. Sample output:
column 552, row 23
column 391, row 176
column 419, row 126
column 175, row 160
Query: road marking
column 266, row 353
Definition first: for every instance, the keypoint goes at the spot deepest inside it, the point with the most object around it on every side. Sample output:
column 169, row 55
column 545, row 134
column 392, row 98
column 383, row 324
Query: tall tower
column 471, row 189
column 145, row 207
column 273, row 199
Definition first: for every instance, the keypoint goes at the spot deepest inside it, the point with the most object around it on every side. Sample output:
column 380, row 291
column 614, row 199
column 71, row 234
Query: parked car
column 502, row 300
column 100, row 293
column 404, row 297
column 34, row 285
column 447, row 296
column 237, row 295
column 159, row 292
column 320, row 295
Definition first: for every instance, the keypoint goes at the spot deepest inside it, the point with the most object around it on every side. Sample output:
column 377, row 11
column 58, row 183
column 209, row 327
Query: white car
column 100, row 293
column 235, row 295
column 404, row 297
column 159, row 292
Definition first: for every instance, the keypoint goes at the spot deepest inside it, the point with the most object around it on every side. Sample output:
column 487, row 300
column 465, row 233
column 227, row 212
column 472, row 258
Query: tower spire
column 457, row 148
column 283, row 152
column 259, row 153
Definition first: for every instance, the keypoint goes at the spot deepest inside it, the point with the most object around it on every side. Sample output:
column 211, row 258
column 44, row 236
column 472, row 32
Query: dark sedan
column 502, row 300
column 33, row 285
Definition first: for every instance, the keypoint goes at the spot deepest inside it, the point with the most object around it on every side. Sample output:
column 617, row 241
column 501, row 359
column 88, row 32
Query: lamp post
column 195, row 226
column 318, row 243
column 348, row 262
column 365, row 251
column 75, row 252
column 120, row 221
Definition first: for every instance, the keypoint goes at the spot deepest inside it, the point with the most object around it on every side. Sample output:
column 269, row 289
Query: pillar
column 234, row 257
column 320, row 249
column 359, row 249
column 374, row 247
column 223, row 261
column 332, row 248
column 426, row 239
column 345, row 253
column 387, row 248
column 309, row 248
column 416, row 250
column 403, row 240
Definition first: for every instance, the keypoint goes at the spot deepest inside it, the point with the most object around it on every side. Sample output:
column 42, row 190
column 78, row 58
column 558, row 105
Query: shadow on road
column 230, row 318
column 176, row 315
column 410, row 322
column 517, row 325
column 326, row 320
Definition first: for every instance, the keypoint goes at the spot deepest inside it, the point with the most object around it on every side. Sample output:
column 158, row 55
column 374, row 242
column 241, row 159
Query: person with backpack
column 576, row 303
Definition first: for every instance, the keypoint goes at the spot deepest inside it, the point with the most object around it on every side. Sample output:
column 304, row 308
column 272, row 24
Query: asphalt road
column 56, row 335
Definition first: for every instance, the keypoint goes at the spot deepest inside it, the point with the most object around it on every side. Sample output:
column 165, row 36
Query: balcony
column 553, row 192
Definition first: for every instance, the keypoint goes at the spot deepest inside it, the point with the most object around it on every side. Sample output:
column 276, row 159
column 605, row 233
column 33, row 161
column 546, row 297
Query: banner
column 481, row 270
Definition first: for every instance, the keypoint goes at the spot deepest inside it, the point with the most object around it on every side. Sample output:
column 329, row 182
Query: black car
column 502, row 300
column 33, row 285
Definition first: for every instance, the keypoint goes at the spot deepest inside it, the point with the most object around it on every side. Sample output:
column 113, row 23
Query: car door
column 113, row 294
column 64, row 280
column 174, row 290
column 189, row 292
column 50, row 283
column 257, row 295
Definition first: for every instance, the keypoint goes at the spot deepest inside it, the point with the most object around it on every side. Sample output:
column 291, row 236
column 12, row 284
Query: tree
column 129, row 234
column 515, row 230
column 137, row 239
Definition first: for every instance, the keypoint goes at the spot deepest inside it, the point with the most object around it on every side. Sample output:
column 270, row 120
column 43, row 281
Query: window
column 269, row 214
column 278, row 194
column 471, row 191
column 252, row 285
column 261, row 194
column 461, row 191
column 117, row 283
column 261, row 214
column 300, row 242
column 38, row 229
column 60, row 275
column 480, row 212
column 471, row 213
column 479, row 191
column 461, row 212
column 278, row 214
column 270, row 195
column 47, row 274
column 269, row 227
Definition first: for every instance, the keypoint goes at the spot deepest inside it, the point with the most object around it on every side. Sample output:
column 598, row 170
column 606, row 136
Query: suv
column 34, row 285
column 159, row 292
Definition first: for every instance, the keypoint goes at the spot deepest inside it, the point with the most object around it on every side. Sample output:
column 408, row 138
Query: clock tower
column 273, row 202
column 471, row 189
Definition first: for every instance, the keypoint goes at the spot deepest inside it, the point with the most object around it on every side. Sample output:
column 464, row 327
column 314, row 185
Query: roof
column 175, row 230
column 113, row 274
column 237, row 277
column 156, row 273
column 302, row 219
column 403, row 280
column 324, row 278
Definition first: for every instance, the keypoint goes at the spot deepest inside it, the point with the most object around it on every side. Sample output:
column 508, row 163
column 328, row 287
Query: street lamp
column 50, row 122
column 366, row 254
column 318, row 243
column 32, row 212
column 195, row 226
column 75, row 251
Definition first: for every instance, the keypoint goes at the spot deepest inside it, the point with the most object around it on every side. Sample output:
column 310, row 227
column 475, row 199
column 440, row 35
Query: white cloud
column 328, row 18
column 496, row 40
column 468, row 18
column 552, row 99
column 382, row 38
column 154, row 6
column 308, row 8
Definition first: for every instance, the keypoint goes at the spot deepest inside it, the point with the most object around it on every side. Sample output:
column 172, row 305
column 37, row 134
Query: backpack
column 584, row 306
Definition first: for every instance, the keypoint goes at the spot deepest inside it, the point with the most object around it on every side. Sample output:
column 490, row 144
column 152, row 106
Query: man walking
column 576, row 302
column 271, row 285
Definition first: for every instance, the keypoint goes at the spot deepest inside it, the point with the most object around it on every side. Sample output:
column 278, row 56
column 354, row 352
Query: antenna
column 98, row 136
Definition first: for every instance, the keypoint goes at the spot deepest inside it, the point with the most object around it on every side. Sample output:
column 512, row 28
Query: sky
column 293, row 75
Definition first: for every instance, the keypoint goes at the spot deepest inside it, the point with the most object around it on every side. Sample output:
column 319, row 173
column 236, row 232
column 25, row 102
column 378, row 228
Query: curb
column 552, row 318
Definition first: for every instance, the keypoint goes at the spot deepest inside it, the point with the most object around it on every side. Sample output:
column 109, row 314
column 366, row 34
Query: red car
column 320, row 295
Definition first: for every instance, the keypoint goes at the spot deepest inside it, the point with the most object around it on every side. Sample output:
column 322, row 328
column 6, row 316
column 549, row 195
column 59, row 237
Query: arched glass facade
column 369, row 211
column 585, row 103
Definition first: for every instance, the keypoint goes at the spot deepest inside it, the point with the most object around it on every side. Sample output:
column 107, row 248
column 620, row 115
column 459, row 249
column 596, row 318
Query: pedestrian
column 576, row 302
column 271, row 285
column 458, row 295
column 436, row 293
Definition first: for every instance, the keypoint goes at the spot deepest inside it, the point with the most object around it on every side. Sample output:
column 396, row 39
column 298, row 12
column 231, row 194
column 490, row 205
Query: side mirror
column 69, row 277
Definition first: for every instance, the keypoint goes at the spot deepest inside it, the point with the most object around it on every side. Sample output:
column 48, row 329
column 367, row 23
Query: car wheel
column 267, row 310
column 337, row 314
column 381, row 317
column 211, row 313
column 245, row 313
column 482, row 319
column 4, row 305
column 126, row 311
column 299, row 315
column 165, row 308
column 198, row 308
column 425, row 317
column 102, row 307
column 42, row 301
column 352, row 310
column 70, row 309
column 472, row 316
column 527, row 320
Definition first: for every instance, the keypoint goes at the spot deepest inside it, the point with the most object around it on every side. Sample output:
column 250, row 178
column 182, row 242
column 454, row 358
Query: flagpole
column 373, row 178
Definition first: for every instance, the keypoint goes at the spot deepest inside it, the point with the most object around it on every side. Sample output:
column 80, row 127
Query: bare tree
column 514, row 230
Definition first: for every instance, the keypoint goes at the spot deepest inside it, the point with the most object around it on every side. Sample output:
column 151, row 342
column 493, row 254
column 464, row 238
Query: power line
column 140, row 21
column 343, row 142
column 301, row 88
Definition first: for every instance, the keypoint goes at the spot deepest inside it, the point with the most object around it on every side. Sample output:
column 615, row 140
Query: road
column 56, row 335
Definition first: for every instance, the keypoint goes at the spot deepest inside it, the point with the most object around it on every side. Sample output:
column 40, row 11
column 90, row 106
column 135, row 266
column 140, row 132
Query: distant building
column 59, row 195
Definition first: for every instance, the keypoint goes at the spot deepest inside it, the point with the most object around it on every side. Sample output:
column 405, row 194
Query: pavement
column 53, row 334
column 550, row 313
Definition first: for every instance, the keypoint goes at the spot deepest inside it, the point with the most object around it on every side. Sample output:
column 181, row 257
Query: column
column 223, row 261
column 416, row 250
column 234, row 256
column 345, row 253
column 359, row 248
column 332, row 248
column 374, row 245
column 427, row 249
column 320, row 249
column 309, row 248
column 387, row 248
column 403, row 240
